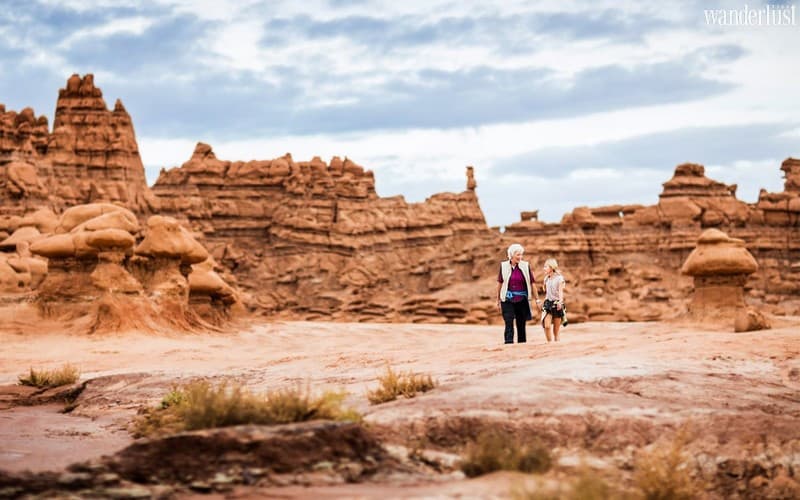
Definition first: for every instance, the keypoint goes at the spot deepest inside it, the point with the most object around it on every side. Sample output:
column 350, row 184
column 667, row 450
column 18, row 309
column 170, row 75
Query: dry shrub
column 589, row 485
column 496, row 450
column 393, row 384
column 664, row 474
column 67, row 374
column 200, row 405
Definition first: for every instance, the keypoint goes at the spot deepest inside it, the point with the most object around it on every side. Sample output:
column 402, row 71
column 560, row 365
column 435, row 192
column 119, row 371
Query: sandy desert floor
column 604, row 391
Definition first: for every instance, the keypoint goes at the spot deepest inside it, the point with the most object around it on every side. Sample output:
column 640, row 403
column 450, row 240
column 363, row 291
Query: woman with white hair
column 553, row 301
column 515, row 285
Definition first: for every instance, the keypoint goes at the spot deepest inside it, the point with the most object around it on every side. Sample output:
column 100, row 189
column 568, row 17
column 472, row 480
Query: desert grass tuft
column 590, row 486
column 587, row 486
column 664, row 474
column 495, row 450
column 393, row 384
column 67, row 374
column 201, row 405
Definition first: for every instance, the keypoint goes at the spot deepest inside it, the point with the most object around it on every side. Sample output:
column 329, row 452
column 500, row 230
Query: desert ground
column 604, row 393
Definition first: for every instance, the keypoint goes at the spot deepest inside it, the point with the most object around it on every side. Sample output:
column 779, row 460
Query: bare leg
column 548, row 327
column 556, row 327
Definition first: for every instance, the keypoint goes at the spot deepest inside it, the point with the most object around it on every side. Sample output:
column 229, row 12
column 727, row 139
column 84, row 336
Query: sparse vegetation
column 67, row 374
column 663, row 474
column 201, row 405
column 174, row 397
column 496, row 450
column 590, row 486
column 587, row 486
column 393, row 384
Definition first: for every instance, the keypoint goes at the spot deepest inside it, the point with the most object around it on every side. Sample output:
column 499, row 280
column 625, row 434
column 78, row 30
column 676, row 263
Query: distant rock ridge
column 624, row 258
column 313, row 240
column 293, row 229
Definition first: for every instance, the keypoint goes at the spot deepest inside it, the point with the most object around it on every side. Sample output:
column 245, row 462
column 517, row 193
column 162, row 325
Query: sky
column 556, row 104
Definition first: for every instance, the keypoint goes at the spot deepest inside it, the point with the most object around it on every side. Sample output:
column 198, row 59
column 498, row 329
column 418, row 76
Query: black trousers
column 518, row 312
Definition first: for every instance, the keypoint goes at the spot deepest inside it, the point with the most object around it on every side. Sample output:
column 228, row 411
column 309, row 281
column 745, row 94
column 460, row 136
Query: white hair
column 552, row 264
column 516, row 247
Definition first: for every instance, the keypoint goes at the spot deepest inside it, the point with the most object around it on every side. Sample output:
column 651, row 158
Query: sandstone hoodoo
column 96, row 276
column 19, row 269
column 720, row 266
column 85, row 258
column 691, row 197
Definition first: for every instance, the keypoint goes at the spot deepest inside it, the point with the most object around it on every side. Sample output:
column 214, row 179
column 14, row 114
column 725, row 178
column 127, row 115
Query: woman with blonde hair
column 553, row 308
column 516, row 285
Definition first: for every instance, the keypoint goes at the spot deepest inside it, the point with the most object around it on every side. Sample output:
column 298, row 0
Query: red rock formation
column 293, row 230
column 314, row 240
column 90, row 156
column 98, row 146
column 23, row 139
column 720, row 266
column 622, row 261
column 96, row 276
column 791, row 172
column 690, row 197
column 783, row 209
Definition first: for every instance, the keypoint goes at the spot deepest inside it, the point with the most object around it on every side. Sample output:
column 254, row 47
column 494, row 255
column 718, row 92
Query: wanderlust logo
column 768, row 15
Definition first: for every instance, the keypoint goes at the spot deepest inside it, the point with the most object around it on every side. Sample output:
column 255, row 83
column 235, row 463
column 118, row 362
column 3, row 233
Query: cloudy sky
column 556, row 104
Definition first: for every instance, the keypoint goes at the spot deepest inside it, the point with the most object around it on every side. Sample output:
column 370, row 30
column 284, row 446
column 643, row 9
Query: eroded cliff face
column 90, row 156
column 623, row 260
column 314, row 240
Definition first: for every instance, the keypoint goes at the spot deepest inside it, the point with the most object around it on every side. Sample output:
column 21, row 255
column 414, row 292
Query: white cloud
column 749, row 176
column 214, row 10
column 128, row 26
column 342, row 69
column 791, row 133
column 88, row 5
column 238, row 44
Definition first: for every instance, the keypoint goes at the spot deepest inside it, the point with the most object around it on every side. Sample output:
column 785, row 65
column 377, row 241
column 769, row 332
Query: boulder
column 749, row 320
